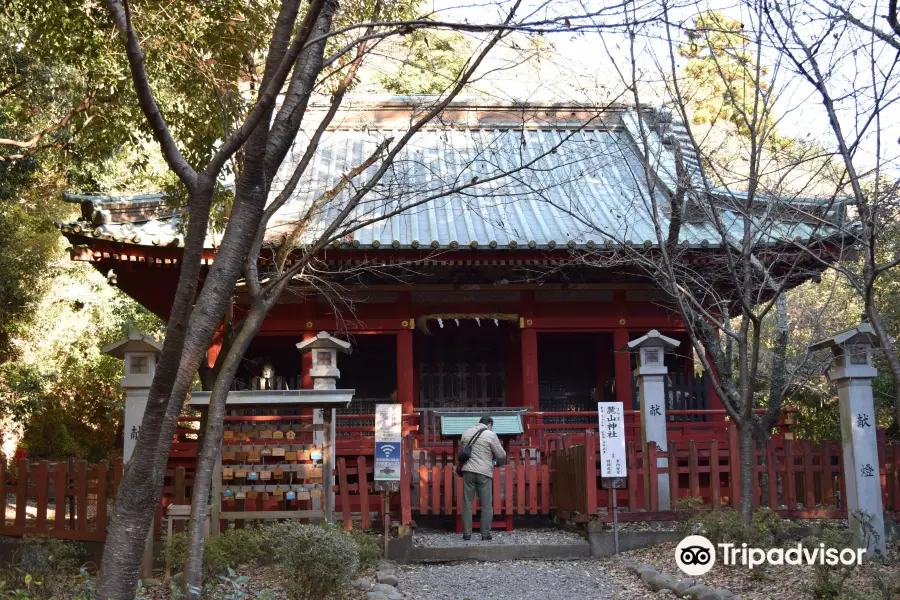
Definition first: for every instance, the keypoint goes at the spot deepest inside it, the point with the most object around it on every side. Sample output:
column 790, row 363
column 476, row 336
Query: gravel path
column 519, row 580
column 440, row 539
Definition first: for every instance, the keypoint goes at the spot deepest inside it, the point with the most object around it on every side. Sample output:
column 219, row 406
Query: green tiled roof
column 453, row 425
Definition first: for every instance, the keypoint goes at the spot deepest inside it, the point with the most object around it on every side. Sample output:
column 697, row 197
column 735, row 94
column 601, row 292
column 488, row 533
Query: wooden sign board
column 612, row 439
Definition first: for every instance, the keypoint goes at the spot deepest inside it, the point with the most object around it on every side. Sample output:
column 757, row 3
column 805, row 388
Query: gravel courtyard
column 520, row 580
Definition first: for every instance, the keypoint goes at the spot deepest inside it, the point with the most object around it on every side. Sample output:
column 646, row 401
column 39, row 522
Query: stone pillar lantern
column 852, row 372
column 139, row 351
column 651, row 374
column 324, row 349
column 324, row 372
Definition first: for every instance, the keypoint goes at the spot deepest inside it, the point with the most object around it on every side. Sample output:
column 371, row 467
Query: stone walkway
column 439, row 539
column 514, row 580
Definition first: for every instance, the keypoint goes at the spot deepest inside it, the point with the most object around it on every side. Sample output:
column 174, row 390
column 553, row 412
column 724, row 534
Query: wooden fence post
column 652, row 492
column 345, row 493
column 772, row 471
column 633, row 478
column 714, row 483
column 693, row 469
column 790, row 484
column 42, row 482
column 363, row 479
column 674, row 471
column 102, row 491
column 22, row 492
column 406, row 483
column 590, row 460
column 61, row 477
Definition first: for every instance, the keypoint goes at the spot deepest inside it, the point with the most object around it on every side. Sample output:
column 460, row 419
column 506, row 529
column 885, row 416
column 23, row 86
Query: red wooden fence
column 804, row 480
column 65, row 500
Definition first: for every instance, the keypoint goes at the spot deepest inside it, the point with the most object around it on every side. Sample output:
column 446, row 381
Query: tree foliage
column 725, row 78
column 433, row 61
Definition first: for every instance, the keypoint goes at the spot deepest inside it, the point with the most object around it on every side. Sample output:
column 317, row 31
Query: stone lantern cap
column 862, row 334
column 136, row 341
column 652, row 339
column 325, row 341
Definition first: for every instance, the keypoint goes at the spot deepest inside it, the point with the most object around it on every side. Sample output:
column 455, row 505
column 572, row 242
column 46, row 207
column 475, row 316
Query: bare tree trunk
column 209, row 453
column 763, row 461
column 745, row 442
column 141, row 485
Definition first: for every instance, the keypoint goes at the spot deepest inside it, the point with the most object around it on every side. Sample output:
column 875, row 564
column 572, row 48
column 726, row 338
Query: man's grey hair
column 486, row 420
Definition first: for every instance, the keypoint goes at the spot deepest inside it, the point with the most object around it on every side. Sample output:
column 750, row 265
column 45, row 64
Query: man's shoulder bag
column 465, row 453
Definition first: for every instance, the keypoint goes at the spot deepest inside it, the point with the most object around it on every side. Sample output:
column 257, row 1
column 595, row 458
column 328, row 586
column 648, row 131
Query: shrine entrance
column 465, row 365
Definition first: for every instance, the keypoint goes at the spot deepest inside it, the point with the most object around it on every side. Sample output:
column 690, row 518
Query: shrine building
column 495, row 297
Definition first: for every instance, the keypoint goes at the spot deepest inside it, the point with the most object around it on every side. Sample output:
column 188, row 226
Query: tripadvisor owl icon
column 695, row 555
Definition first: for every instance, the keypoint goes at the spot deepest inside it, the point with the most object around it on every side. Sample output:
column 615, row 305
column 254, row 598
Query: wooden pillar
column 530, row 398
column 306, row 381
column 405, row 370
column 603, row 362
column 623, row 368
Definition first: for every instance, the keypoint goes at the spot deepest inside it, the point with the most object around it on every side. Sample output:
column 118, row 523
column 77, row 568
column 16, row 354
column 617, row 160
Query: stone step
column 502, row 552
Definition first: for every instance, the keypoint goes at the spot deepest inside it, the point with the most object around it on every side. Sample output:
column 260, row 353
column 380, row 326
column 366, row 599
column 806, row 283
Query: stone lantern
column 651, row 374
column 324, row 349
column 139, row 351
column 852, row 372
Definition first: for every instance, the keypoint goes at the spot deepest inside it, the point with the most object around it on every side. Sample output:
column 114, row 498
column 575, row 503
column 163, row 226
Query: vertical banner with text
column 388, row 433
column 612, row 439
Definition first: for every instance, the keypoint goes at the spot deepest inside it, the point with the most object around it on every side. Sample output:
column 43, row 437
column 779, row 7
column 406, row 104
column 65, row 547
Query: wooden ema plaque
column 269, row 469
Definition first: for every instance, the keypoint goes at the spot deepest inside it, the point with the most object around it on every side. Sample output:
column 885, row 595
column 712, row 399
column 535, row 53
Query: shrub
column 317, row 562
column 44, row 564
column 368, row 547
column 828, row 581
column 231, row 548
column 766, row 527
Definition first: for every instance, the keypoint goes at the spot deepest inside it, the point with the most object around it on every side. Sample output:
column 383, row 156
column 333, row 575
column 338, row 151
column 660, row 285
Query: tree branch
column 171, row 153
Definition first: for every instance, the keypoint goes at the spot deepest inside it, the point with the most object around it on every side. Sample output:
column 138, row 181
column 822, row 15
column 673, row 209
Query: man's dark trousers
column 483, row 485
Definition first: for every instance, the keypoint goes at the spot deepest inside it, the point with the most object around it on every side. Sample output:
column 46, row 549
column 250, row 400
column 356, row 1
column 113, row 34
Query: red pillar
column 306, row 381
column 530, row 397
column 604, row 363
column 405, row 387
column 623, row 368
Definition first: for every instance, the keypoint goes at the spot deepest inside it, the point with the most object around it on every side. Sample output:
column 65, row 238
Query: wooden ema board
column 269, row 469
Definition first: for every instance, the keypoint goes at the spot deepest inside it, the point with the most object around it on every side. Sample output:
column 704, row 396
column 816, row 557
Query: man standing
column 478, row 474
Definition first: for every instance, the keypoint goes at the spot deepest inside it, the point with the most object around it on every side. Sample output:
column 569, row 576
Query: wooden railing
column 64, row 500
column 543, row 429
column 804, row 480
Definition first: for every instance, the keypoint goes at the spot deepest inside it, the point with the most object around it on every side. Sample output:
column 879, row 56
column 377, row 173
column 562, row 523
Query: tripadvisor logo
column 695, row 555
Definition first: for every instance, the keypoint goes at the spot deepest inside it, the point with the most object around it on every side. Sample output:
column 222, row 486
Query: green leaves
column 431, row 61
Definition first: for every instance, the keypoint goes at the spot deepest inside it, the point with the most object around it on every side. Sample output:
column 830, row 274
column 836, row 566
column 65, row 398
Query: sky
column 587, row 67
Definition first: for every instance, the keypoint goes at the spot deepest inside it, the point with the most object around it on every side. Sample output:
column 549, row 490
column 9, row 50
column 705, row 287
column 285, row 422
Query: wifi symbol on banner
column 388, row 450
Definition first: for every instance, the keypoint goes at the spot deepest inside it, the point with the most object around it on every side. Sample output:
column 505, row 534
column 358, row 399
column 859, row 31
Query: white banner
column 612, row 439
